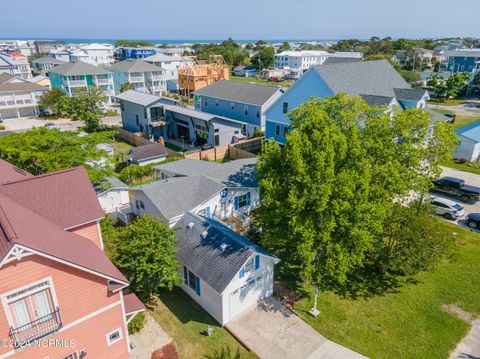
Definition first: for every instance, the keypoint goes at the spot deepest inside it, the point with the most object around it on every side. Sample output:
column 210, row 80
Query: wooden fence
column 134, row 138
column 212, row 154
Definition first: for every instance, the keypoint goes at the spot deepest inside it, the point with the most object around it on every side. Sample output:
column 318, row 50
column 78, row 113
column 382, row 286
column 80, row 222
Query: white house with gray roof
column 223, row 272
column 377, row 82
column 244, row 102
column 142, row 75
column 227, row 192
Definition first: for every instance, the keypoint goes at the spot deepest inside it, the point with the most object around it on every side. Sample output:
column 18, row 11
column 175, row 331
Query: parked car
column 446, row 208
column 49, row 124
column 456, row 187
column 272, row 79
column 473, row 220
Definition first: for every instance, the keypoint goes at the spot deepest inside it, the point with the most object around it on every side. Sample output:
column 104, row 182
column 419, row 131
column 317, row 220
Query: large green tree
column 329, row 191
column 43, row 150
column 87, row 107
column 145, row 252
column 264, row 58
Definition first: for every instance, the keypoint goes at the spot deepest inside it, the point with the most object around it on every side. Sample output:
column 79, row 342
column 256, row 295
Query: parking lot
column 470, row 179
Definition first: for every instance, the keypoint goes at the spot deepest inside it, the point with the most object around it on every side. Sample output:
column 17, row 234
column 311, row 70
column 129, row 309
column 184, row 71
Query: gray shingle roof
column 48, row 60
column 205, row 257
column 339, row 60
column 409, row 94
column 148, row 151
column 377, row 78
column 134, row 65
column 142, row 98
column 238, row 173
column 242, row 92
column 78, row 68
column 372, row 100
column 179, row 195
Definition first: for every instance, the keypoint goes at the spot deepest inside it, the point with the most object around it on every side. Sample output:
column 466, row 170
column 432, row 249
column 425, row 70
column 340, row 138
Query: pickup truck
column 456, row 187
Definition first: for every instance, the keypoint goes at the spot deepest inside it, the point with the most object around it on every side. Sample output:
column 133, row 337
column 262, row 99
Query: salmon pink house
column 60, row 296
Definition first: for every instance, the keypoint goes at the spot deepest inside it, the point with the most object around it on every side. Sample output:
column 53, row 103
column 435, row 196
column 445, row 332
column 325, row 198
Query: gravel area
column 151, row 338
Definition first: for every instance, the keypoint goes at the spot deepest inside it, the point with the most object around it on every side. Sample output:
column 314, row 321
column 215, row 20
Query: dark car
column 456, row 187
column 473, row 220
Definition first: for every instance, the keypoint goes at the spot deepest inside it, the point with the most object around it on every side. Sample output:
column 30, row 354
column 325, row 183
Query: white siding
column 113, row 199
column 467, row 149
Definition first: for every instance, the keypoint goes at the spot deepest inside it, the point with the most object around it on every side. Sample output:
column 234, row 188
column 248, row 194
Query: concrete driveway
column 272, row 331
column 470, row 179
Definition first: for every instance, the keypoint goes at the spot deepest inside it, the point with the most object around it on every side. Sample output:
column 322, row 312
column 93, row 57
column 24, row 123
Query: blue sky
column 246, row 19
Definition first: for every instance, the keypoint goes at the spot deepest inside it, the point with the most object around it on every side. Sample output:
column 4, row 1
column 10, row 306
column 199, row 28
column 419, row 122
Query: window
column 285, row 107
column 245, row 110
column 33, row 303
column 142, row 205
column 232, row 105
column 242, row 201
column 205, row 102
column 277, row 130
column 136, row 118
column 258, row 112
column 191, row 280
column 114, row 336
column 285, row 130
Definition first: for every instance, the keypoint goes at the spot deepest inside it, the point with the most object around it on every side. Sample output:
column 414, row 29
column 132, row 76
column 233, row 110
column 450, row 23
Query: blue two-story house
column 124, row 53
column 244, row 102
column 377, row 82
column 461, row 60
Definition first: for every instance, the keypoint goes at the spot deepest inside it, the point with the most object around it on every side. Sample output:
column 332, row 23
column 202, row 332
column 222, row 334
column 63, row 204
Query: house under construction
column 201, row 73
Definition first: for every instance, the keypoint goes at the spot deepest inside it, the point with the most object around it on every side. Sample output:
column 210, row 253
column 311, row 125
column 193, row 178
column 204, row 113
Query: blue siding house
column 462, row 60
column 377, row 82
column 240, row 101
column 124, row 53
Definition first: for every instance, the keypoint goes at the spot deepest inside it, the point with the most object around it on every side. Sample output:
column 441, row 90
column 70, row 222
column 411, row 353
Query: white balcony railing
column 136, row 79
column 157, row 78
column 107, row 81
column 75, row 83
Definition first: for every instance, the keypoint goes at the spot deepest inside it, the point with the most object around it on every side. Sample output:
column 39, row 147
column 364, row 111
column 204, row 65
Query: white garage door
column 26, row 112
column 247, row 295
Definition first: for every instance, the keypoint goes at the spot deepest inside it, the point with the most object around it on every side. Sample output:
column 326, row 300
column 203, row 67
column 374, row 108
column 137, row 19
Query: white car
column 448, row 209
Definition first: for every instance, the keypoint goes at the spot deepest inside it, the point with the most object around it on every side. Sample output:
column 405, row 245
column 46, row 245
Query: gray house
column 160, row 117
column 225, row 191
column 148, row 154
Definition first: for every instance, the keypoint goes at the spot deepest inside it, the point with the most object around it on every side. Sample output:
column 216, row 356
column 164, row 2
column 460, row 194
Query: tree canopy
column 43, row 150
column 329, row 192
column 145, row 253
column 232, row 52
column 264, row 58
column 132, row 43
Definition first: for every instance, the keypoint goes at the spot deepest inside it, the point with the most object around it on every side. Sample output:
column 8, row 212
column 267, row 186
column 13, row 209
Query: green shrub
column 137, row 323
column 2, row 127
column 135, row 173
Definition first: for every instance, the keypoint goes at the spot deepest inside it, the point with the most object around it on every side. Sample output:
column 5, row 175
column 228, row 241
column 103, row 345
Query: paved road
column 471, row 179
column 272, row 331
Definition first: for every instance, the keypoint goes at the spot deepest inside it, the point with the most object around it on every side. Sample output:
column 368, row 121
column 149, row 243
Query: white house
column 94, row 54
column 114, row 197
column 306, row 59
column 170, row 65
column 469, row 146
column 223, row 272
column 18, row 66
column 18, row 97
column 224, row 191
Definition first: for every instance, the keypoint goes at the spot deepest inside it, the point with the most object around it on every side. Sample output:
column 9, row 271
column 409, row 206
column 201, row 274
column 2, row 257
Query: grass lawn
column 185, row 321
column 286, row 83
column 461, row 121
column 122, row 146
column 467, row 167
column 452, row 102
column 410, row 322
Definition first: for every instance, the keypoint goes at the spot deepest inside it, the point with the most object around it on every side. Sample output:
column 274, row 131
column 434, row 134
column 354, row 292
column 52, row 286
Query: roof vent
column 204, row 234
column 223, row 247
column 190, row 225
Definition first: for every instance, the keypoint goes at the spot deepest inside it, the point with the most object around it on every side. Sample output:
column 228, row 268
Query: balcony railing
column 77, row 83
column 137, row 79
column 36, row 329
column 103, row 81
